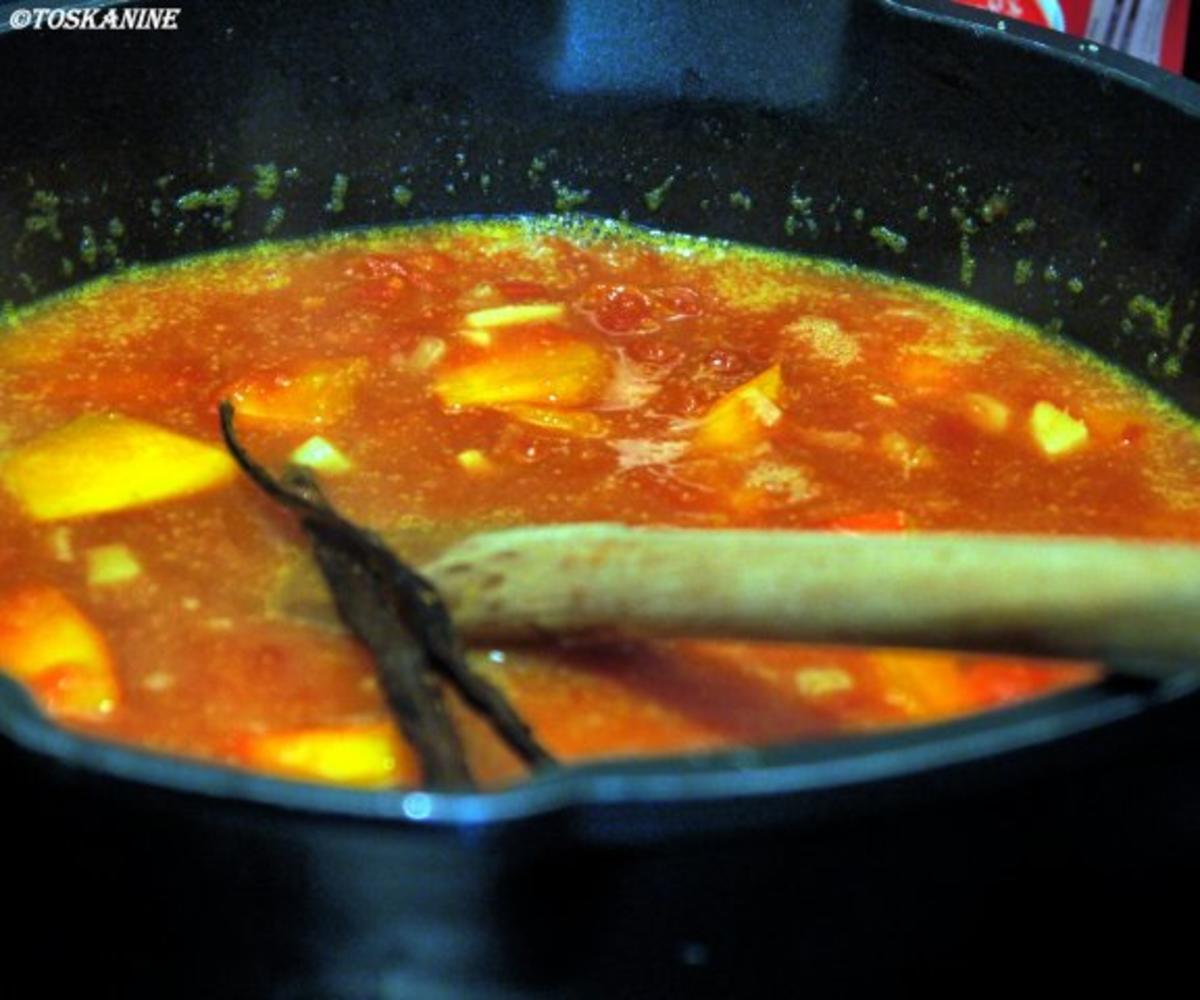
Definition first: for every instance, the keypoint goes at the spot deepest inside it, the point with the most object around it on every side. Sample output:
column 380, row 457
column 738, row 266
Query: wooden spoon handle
column 1063, row 596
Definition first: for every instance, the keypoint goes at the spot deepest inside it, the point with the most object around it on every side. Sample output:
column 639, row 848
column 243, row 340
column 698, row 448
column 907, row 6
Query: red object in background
column 1043, row 13
column 1154, row 30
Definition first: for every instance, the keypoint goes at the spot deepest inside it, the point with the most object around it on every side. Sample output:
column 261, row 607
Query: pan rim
column 1158, row 83
column 782, row 774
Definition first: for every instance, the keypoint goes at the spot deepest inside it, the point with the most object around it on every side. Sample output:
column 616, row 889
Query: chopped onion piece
column 479, row 337
column 428, row 352
column 515, row 315
column 639, row 453
column 786, row 483
column 108, row 564
column 61, row 544
column 819, row 682
column 475, row 461
column 986, row 412
column 317, row 453
column 1055, row 431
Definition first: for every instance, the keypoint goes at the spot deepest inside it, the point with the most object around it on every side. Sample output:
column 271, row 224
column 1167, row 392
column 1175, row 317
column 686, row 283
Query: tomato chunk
column 620, row 308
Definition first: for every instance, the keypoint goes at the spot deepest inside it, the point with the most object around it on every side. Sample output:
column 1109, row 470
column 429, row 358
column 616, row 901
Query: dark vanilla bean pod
column 410, row 688
column 402, row 620
column 425, row 614
column 367, row 608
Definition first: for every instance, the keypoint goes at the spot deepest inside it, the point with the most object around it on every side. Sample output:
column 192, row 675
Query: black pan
column 1043, row 841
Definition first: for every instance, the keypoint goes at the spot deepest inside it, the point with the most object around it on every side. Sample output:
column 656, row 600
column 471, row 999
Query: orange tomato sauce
column 465, row 376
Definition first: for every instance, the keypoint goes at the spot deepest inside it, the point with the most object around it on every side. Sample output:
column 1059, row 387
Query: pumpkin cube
column 560, row 372
column 50, row 645
column 308, row 394
column 741, row 418
column 107, row 462
column 366, row 756
column 921, row 684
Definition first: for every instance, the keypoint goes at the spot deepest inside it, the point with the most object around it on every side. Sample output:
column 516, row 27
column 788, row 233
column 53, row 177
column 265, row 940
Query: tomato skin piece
column 870, row 522
column 658, row 353
column 621, row 309
column 377, row 265
column 626, row 309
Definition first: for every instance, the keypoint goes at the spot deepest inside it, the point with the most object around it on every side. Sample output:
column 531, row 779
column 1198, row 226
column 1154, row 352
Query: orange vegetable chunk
column 921, row 684
column 50, row 645
column 367, row 756
column 107, row 462
column 575, row 423
column 559, row 372
column 312, row 393
column 741, row 417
